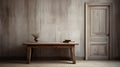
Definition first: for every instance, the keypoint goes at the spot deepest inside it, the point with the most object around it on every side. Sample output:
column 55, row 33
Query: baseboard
column 35, row 58
column 116, row 58
column 80, row 58
column 12, row 58
column 39, row 58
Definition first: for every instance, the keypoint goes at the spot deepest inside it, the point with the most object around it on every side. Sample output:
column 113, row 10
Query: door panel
column 97, row 31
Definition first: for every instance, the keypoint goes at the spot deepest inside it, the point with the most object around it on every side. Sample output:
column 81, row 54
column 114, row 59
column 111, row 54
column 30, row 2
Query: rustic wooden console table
column 50, row 45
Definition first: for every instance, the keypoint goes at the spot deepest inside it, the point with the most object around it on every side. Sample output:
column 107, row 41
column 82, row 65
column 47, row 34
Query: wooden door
column 97, row 30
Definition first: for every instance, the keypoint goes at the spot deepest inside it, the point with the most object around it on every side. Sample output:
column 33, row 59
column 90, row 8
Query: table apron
column 50, row 46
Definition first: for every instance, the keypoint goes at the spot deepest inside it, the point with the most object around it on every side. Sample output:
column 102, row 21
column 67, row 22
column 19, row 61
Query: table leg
column 72, row 50
column 28, row 54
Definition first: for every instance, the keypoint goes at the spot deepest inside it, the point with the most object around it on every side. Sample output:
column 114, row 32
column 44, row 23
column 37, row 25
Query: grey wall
column 54, row 20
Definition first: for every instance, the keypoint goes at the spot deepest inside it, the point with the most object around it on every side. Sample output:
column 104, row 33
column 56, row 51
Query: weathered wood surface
column 30, row 46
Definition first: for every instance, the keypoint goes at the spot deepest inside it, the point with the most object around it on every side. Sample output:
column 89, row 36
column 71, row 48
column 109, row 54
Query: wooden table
column 50, row 45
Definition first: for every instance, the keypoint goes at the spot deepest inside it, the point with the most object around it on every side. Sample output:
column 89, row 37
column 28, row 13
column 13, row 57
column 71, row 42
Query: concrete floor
column 80, row 63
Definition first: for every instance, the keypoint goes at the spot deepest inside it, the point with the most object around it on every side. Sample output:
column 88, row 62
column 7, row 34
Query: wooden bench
column 29, row 47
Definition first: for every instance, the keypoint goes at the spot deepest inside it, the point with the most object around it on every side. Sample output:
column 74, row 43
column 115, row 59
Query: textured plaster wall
column 54, row 20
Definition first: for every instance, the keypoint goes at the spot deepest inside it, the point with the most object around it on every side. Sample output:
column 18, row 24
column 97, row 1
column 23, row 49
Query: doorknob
column 108, row 34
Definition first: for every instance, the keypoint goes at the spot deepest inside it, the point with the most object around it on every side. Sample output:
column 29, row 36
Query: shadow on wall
column 116, row 9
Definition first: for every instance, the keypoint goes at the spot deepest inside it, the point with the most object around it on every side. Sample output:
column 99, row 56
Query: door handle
column 108, row 34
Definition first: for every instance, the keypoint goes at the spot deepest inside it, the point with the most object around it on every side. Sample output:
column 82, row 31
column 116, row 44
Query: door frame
column 86, row 4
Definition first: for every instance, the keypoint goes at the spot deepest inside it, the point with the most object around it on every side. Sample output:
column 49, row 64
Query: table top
column 49, row 43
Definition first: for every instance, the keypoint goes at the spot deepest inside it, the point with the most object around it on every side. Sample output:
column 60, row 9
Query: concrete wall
column 54, row 20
